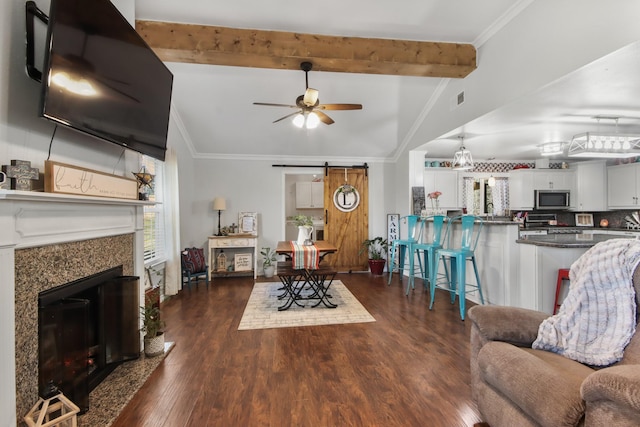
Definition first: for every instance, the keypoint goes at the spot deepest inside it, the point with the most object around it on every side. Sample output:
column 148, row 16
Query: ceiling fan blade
column 310, row 97
column 268, row 104
column 324, row 118
column 339, row 107
column 287, row 116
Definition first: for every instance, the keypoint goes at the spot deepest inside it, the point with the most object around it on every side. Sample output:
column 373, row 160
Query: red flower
column 434, row 195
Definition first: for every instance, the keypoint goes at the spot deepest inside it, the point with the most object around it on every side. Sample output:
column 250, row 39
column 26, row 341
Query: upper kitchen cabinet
column 623, row 185
column 444, row 181
column 521, row 189
column 550, row 179
column 523, row 183
column 309, row 195
column 591, row 186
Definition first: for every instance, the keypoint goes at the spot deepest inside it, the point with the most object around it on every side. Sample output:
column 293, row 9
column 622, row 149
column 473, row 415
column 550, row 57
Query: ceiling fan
column 310, row 114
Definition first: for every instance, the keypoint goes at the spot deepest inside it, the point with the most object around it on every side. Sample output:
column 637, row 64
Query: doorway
column 346, row 230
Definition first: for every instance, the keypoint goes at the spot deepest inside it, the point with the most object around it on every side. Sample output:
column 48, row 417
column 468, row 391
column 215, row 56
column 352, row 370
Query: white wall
column 257, row 186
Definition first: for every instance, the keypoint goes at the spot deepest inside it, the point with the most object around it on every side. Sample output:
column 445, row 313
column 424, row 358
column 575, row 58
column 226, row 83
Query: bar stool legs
column 563, row 274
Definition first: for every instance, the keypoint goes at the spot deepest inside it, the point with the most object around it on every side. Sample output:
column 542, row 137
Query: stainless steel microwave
column 552, row 199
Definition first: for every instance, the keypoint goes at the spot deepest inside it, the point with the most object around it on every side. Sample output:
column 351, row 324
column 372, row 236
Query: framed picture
column 584, row 220
column 242, row 262
column 248, row 223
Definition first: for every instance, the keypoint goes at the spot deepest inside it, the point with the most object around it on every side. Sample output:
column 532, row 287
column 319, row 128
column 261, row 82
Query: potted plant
column 153, row 328
column 268, row 258
column 305, row 228
column 376, row 249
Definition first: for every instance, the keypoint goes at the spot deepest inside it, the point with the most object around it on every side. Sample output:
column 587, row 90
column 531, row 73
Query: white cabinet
column 523, row 183
column 521, row 189
column 444, row 181
column 623, row 186
column 309, row 195
column 553, row 179
column 591, row 186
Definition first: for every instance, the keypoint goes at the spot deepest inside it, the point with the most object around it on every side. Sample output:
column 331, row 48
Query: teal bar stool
column 428, row 250
column 470, row 228
column 405, row 246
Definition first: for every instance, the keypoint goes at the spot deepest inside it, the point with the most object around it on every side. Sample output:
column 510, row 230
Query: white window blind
column 154, row 231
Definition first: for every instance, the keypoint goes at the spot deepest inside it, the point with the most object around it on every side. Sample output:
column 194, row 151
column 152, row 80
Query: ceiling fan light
column 298, row 120
column 312, row 120
column 310, row 97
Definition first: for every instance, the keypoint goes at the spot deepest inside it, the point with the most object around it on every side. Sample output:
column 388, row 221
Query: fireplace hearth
column 86, row 328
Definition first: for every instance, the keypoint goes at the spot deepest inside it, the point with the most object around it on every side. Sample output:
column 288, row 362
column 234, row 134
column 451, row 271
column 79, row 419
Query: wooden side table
column 232, row 245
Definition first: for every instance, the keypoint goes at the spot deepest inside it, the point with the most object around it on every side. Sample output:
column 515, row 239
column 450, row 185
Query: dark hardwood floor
column 409, row 368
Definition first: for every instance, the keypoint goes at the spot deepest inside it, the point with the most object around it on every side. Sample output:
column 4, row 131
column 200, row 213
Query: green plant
column 268, row 256
column 152, row 323
column 376, row 248
column 302, row 220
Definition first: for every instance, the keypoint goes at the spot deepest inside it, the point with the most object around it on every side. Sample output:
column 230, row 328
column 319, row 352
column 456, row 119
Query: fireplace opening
column 86, row 328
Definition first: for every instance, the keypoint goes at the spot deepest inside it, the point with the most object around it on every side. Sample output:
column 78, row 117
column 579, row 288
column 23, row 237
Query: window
column 154, row 231
column 479, row 198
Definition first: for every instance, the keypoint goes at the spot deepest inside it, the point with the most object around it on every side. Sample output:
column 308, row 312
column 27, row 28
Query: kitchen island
column 540, row 257
column 583, row 240
column 497, row 260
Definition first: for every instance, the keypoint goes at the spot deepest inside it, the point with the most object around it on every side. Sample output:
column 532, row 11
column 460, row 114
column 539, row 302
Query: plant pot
column 377, row 266
column 268, row 271
column 154, row 346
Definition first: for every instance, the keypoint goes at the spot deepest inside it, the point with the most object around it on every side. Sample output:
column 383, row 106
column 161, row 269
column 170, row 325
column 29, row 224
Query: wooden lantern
column 54, row 411
column 221, row 261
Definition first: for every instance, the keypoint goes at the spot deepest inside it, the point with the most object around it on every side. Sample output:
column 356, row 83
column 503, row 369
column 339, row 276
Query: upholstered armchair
column 516, row 385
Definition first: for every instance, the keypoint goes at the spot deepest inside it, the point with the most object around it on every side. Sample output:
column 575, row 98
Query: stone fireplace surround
column 46, row 241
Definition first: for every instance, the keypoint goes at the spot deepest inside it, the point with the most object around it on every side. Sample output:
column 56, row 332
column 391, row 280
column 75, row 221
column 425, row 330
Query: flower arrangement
column 302, row 220
column 435, row 203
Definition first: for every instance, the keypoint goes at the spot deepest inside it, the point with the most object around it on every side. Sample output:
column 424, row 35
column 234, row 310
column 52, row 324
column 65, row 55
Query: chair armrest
column 518, row 326
column 618, row 384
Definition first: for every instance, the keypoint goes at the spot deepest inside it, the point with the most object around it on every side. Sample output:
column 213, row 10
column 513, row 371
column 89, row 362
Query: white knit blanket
column 598, row 317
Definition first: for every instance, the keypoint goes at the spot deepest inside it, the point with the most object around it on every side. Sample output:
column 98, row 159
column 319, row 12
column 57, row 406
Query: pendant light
column 462, row 160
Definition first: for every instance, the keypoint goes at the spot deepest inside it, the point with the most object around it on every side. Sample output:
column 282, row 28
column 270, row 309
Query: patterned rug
column 262, row 312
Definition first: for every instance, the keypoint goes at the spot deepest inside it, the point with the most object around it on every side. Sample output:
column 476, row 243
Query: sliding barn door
column 347, row 218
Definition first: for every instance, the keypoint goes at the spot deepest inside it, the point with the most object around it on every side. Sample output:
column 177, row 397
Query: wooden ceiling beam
column 202, row 44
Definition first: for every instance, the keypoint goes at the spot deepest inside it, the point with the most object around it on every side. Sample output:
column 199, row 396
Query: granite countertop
column 567, row 240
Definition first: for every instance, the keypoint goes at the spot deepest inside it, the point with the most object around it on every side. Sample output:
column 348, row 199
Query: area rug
column 262, row 312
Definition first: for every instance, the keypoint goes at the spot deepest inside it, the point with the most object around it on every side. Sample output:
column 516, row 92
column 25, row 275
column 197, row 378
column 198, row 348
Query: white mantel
column 33, row 219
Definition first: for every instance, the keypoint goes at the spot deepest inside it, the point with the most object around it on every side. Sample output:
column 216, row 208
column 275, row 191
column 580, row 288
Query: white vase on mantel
column 304, row 234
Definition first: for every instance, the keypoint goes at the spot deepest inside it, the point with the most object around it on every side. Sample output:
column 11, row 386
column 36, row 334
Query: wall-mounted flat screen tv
column 101, row 78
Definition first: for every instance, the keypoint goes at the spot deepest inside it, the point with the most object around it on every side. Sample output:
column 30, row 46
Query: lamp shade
column 219, row 204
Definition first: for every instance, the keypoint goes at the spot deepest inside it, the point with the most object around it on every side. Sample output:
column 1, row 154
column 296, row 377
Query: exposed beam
column 204, row 44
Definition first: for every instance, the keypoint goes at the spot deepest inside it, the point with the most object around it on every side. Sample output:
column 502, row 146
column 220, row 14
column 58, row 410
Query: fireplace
column 86, row 328
column 47, row 241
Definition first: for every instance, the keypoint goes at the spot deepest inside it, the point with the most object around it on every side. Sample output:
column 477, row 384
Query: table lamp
column 219, row 204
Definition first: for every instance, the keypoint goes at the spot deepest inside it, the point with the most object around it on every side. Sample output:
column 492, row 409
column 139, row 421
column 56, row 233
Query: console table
column 232, row 245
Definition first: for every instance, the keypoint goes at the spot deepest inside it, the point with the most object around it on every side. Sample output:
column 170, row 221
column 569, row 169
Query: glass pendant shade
column 306, row 120
column 312, row 120
column 298, row 120
column 462, row 160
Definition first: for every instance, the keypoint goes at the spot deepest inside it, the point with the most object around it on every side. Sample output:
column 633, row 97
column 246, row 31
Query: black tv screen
column 101, row 78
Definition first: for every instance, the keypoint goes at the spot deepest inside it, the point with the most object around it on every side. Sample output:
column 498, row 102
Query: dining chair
column 428, row 250
column 405, row 246
column 457, row 255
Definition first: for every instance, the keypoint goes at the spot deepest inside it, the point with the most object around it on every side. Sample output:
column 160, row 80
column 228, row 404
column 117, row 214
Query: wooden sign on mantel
column 69, row 179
